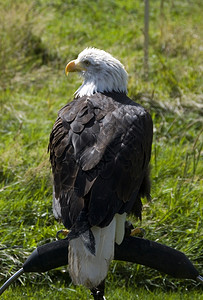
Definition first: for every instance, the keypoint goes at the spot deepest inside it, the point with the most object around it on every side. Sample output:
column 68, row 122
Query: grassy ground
column 37, row 39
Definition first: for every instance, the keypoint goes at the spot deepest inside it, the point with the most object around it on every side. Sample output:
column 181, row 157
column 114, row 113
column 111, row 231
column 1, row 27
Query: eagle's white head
column 101, row 71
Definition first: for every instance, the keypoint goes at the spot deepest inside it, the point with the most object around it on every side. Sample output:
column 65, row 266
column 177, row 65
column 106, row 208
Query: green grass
column 37, row 39
column 61, row 292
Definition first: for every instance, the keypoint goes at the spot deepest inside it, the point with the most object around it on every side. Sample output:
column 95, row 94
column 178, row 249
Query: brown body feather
column 100, row 149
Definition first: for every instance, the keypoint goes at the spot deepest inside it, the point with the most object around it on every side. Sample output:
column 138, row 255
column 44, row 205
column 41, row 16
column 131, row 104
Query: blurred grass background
column 37, row 39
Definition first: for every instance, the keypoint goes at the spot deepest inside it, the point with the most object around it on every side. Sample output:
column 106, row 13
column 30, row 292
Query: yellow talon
column 137, row 232
column 62, row 233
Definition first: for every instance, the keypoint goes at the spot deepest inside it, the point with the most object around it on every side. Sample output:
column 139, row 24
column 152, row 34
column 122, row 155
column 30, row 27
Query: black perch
column 133, row 249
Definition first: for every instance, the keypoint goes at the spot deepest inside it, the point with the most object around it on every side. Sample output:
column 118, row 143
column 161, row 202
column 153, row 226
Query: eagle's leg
column 98, row 292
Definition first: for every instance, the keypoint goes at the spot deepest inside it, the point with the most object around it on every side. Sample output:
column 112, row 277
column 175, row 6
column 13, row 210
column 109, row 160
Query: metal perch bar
column 10, row 280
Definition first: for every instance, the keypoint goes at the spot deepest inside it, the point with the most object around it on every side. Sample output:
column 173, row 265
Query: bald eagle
column 100, row 149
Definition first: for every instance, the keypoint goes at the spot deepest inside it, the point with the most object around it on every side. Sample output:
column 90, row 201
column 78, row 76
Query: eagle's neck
column 103, row 82
column 86, row 89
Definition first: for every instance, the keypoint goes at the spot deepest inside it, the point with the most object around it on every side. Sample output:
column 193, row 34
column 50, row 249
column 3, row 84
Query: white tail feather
column 120, row 228
column 90, row 270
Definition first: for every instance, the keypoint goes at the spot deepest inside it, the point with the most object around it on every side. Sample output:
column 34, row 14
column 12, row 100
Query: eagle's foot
column 61, row 234
column 131, row 231
column 140, row 232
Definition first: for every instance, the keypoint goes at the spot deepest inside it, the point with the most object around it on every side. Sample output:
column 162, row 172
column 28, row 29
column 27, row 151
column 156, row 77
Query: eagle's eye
column 86, row 63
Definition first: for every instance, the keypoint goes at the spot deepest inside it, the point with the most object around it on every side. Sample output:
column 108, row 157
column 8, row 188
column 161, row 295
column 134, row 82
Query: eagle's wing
column 100, row 149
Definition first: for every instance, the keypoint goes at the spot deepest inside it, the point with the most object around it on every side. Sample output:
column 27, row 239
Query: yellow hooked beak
column 74, row 66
